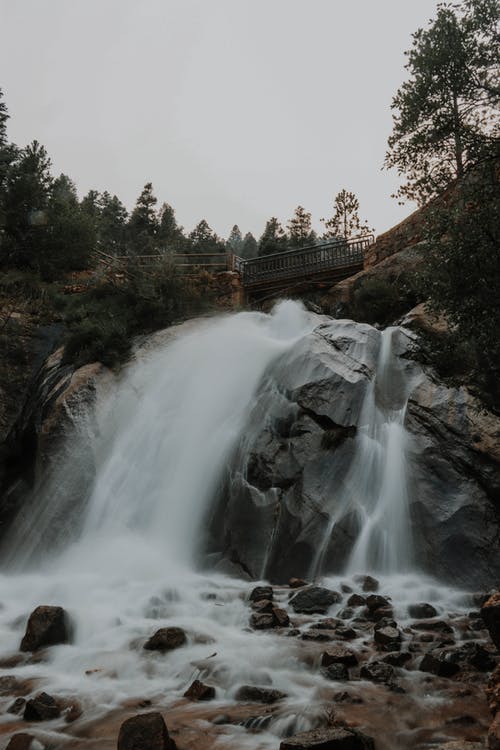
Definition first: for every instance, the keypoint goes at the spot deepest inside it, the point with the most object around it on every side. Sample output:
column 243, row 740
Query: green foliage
column 143, row 224
column 170, row 235
column 235, row 241
column 447, row 112
column 345, row 221
column 204, row 240
column 462, row 276
column 300, row 230
column 378, row 300
column 273, row 239
column 250, row 247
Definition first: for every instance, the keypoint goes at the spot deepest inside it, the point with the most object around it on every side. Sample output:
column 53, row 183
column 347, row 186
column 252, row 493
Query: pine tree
column 112, row 225
column 345, row 221
column 170, row 234
column 446, row 114
column 273, row 239
column 143, row 224
column 300, row 231
column 204, row 240
column 250, row 247
column 235, row 240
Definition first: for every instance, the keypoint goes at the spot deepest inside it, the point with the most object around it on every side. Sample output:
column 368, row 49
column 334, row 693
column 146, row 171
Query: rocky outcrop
column 291, row 464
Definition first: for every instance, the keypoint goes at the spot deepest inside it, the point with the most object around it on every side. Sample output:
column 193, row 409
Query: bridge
column 323, row 263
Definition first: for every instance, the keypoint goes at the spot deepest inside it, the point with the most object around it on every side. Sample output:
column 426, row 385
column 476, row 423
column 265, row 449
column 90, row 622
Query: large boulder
column 314, row 600
column 145, row 732
column 47, row 626
column 335, row 738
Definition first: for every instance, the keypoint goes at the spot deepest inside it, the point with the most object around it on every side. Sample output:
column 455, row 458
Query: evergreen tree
column 250, row 247
column 112, row 225
column 4, row 116
column 273, row 239
column 235, row 240
column 170, row 234
column 143, row 224
column 204, row 240
column 8, row 153
column 446, row 114
column 345, row 221
column 300, row 231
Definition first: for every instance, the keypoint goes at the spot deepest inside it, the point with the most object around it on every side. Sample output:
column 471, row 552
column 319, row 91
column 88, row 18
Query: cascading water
column 161, row 453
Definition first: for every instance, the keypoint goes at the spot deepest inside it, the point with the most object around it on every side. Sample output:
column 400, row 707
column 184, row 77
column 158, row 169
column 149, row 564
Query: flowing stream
column 176, row 418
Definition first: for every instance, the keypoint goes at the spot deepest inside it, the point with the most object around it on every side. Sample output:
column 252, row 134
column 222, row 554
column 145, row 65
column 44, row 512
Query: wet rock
column 377, row 671
column 21, row 741
column 335, row 738
column 368, row 583
column 493, row 690
column 42, row 708
column 356, row 600
column 47, row 626
column 376, row 601
column 281, row 617
column 166, row 639
column 297, row 583
column 145, row 732
column 261, row 592
column 421, row 611
column 263, row 606
column 347, row 634
column 460, row 745
column 314, row 600
column 439, row 663
column 198, row 691
column 327, row 623
column 17, row 707
column 318, row 635
column 433, row 626
column 490, row 612
column 345, row 588
column 262, row 622
column 72, row 712
column 381, row 613
column 397, row 658
column 387, row 636
column 494, row 734
column 253, row 694
column 11, row 685
column 335, row 672
column 472, row 654
column 339, row 655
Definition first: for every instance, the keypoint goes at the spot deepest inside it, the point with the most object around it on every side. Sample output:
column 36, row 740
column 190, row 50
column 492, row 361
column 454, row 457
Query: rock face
column 302, row 439
column 145, row 732
column 47, row 626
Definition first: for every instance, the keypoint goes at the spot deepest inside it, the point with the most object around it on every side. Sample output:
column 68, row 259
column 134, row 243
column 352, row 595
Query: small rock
column 375, row 601
column 314, row 600
column 335, row 672
column 281, row 617
column 21, row 741
column 397, row 658
column 47, row 626
column 263, row 606
column 490, row 612
column 261, row 592
column 356, row 600
column 335, row 738
column 297, row 583
column 166, row 639
column 347, row 634
column 439, row 663
column 41, row 708
column 421, row 611
column 377, row 671
column 17, row 707
column 433, row 626
column 145, row 732
column 387, row 636
column 368, row 583
column 317, row 635
column 252, row 694
column 198, row 691
column 339, row 655
column 262, row 622
column 381, row 613
column 345, row 588
column 327, row 623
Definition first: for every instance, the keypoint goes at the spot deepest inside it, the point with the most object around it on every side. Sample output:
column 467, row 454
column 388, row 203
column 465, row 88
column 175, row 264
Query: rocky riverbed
column 346, row 663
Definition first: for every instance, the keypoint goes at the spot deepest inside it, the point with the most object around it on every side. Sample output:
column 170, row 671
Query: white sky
column 235, row 110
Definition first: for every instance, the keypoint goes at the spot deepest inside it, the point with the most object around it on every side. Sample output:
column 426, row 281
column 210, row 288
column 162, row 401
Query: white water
column 176, row 419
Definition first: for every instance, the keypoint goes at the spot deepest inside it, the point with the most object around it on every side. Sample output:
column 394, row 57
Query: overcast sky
column 235, row 110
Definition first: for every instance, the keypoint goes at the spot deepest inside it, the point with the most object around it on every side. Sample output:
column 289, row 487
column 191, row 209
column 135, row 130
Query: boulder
column 253, row 694
column 490, row 612
column 339, row 655
column 334, row 738
column 262, row 621
column 47, row 626
column 421, row 611
column 145, row 732
column 166, row 639
column 387, row 636
column 261, row 592
column 337, row 672
column 368, row 583
column 42, row 708
column 297, row 583
column 376, row 602
column 377, row 671
column 356, row 600
column 314, row 600
column 21, row 741
column 198, row 691
column 439, row 663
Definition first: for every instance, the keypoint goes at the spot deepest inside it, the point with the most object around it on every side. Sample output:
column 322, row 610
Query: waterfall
column 375, row 491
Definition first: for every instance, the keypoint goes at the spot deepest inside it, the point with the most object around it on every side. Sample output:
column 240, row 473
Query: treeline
column 46, row 228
